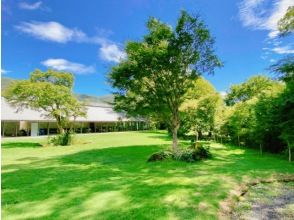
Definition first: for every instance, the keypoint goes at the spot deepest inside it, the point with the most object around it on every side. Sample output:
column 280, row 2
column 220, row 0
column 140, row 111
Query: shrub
column 188, row 155
column 161, row 155
column 203, row 151
column 62, row 139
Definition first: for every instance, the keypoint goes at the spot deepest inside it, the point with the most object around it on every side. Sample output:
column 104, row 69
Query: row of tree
column 257, row 113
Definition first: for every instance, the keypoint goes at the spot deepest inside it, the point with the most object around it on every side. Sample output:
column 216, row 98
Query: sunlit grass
column 106, row 176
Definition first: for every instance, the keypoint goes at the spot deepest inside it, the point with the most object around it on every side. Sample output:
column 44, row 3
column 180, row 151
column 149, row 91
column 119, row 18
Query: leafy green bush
column 161, row 155
column 193, row 154
column 64, row 139
column 203, row 151
column 188, row 155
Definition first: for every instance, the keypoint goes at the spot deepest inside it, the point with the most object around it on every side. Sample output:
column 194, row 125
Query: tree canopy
column 199, row 111
column 161, row 68
column 286, row 24
column 247, row 90
column 50, row 91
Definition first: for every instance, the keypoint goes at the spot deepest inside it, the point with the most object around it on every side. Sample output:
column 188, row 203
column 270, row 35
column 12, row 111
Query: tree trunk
column 238, row 140
column 196, row 138
column 175, row 127
column 289, row 149
column 175, row 139
column 58, row 124
column 61, row 130
column 260, row 148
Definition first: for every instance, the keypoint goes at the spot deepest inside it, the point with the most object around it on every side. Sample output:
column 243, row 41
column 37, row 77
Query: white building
column 99, row 118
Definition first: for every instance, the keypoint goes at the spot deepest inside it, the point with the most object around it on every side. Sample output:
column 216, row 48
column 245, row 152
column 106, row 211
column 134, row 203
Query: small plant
column 64, row 139
column 203, row 151
column 161, row 155
column 191, row 154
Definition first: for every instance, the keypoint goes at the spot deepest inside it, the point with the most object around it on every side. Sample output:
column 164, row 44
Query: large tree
column 286, row 24
column 285, row 71
column 161, row 68
column 50, row 92
column 249, row 89
column 199, row 110
column 252, row 118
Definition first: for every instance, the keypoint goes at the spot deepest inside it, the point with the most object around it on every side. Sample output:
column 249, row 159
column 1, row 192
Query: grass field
column 106, row 176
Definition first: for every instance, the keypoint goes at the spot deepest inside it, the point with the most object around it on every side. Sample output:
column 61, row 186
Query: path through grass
column 106, row 176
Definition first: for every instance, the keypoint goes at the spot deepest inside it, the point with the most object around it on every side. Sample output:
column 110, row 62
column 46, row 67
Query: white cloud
column 111, row 52
column 272, row 60
column 283, row 50
column 256, row 14
column 28, row 6
column 3, row 71
column 65, row 65
column 51, row 31
column 56, row 32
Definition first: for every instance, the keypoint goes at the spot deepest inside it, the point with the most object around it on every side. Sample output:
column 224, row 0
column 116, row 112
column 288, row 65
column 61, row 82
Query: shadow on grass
column 118, row 183
column 20, row 145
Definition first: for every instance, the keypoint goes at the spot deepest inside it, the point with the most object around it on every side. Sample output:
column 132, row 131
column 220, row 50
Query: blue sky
column 88, row 37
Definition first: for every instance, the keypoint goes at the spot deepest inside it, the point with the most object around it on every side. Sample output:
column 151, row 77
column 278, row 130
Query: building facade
column 99, row 118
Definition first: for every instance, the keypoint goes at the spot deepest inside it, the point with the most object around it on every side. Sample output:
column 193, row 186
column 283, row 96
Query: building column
column 16, row 128
column 34, row 129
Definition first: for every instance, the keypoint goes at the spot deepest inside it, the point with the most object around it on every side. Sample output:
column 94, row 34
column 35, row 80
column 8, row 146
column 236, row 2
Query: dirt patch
column 263, row 199
column 266, row 201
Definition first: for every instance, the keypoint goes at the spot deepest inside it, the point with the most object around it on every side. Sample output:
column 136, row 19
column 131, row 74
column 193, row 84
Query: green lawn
column 106, row 176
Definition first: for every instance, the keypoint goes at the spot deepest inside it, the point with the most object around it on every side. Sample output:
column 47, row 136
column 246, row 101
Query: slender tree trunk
column 196, row 138
column 238, row 140
column 289, row 149
column 260, row 148
column 61, row 130
column 175, row 139
column 175, row 127
column 221, row 138
column 59, row 126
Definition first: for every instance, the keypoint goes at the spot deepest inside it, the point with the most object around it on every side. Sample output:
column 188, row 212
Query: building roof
column 95, row 113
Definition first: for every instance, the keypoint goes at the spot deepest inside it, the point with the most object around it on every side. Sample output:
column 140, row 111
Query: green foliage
column 262, row 117
column 192, row 154
column 285, row 114
column 201, row 108
column 160, row 156
column 284, row 69
column 286, row 24
column 50, row 92
column 249, row 89
column 63, row 139
column 53, row 77
column 159, row 70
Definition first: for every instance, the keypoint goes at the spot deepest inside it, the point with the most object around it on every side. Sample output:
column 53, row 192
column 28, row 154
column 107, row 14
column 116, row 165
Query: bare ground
column 266, row 201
